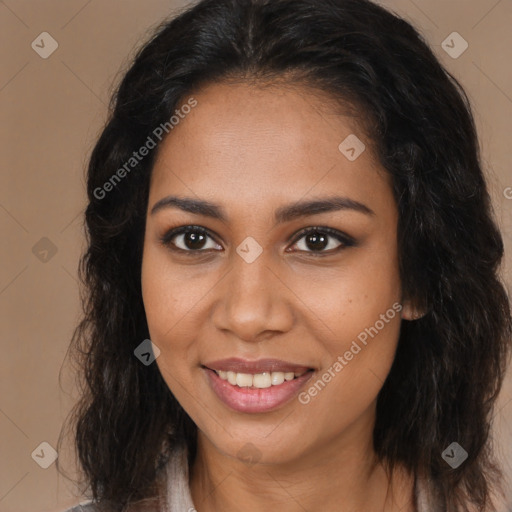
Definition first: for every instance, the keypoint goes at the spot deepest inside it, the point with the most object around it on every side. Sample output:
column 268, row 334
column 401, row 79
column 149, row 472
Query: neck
column 343, row 474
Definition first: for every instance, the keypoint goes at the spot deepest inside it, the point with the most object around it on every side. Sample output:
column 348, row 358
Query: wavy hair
column 449, row 365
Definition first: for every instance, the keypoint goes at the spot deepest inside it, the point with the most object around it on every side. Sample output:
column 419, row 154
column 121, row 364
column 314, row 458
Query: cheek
column 352, row 296
column 166, row 308
column 349, row 384
column 173, row 301
column 168, row 295
column 165, row 314
column 359, row 308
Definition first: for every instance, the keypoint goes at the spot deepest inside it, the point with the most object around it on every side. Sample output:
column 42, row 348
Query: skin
column 252, row 150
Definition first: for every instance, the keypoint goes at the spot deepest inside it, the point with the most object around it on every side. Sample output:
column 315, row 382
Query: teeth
column 262, row 380
column 259, row 380
column 244, row 380
column 277, row 378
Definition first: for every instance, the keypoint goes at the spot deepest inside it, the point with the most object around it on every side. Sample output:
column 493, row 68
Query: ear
column 410, row 312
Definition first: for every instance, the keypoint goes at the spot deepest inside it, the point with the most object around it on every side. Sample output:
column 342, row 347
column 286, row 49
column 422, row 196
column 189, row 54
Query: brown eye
column 316, row 241
column 189, row 239
column 322, row 240
column 192, row 240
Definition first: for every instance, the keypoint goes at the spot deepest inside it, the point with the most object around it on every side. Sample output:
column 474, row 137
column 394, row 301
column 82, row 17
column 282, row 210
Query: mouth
column 256, row 386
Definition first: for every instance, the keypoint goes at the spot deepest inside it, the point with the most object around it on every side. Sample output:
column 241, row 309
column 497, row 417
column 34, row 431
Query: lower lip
column 253, row 400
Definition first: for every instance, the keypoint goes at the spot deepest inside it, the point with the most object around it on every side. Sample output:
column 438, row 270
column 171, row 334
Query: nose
column 253, row 301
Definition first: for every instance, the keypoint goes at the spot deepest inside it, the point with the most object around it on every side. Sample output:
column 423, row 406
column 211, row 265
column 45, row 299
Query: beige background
column 51, row 112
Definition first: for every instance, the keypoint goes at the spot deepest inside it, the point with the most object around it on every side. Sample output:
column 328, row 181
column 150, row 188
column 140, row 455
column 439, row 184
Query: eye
column 318, row 241
column 189, row 239
column 322, row 240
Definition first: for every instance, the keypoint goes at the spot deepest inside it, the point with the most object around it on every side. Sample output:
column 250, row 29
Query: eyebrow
column 283, row 214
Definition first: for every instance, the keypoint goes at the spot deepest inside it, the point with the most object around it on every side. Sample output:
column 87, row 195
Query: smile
column 271, row 383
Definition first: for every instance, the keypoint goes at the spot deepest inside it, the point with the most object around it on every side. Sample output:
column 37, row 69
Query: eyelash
column 346, row 241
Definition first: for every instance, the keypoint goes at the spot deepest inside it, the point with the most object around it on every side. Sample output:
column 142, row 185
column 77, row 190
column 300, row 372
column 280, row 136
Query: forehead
column 245, row 143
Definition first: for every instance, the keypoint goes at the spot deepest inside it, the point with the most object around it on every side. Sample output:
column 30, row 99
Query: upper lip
column 239, row 365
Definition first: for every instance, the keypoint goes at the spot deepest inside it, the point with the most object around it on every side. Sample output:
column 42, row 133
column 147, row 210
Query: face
column 270, row 252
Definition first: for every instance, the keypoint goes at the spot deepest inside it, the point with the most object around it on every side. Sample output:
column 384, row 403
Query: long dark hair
column 449, row 364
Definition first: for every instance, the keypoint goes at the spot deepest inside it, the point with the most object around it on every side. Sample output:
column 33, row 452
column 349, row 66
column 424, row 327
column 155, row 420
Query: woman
column 288, row 202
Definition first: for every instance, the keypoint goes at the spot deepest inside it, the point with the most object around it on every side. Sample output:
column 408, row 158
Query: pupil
column 316, row 241
column 194, row 240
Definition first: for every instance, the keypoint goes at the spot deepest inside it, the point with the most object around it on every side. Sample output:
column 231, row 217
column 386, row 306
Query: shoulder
column 85, row 507
column 146, row 505
column 427, row 495
column 174, row 494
